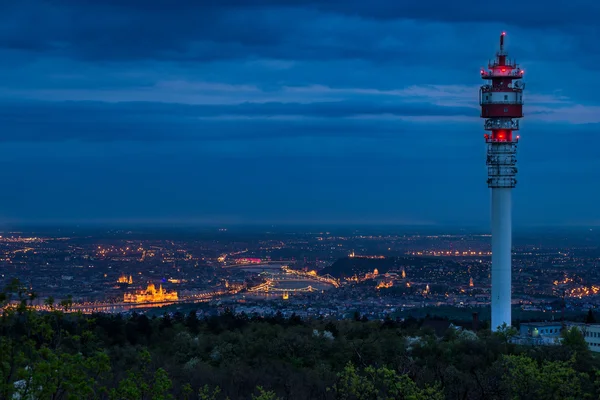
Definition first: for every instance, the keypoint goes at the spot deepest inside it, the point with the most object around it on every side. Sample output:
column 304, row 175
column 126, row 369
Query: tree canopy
column 62, row 355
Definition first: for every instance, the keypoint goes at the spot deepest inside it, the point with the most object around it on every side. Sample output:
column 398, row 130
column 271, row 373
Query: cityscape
column 310, row 274
column 286, row 200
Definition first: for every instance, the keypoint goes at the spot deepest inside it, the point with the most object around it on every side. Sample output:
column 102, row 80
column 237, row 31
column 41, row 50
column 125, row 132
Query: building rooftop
column 551, row 323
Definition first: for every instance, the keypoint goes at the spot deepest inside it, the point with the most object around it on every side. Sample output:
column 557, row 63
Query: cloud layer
column 348, row 110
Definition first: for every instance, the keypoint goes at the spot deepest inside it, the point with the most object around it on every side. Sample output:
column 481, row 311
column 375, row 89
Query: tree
column 590, row 318
column 143, row 383
column 380, row 384
column 574, row 340
column 64, row 376
column 62, row 356
column 525, row 379
column 192, row 322
column 206, row 393
column 166, row 321
column 506, row 332
column 332, row 327
column 264, row 394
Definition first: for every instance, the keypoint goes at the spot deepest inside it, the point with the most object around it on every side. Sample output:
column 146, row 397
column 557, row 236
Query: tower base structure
column 501, row 257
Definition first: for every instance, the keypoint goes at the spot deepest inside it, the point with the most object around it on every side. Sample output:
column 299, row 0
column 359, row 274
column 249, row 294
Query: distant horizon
column 296, row 227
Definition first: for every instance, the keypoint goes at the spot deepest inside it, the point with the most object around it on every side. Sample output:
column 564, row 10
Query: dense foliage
column 60, row 355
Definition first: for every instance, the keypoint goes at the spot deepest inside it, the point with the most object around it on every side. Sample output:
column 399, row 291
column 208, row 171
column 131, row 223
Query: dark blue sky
column 288, row 111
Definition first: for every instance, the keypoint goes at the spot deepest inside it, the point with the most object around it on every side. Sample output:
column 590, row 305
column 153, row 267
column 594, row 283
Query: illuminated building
column 236, row 286
column 286, row 295
column 501, row 103
column 370, row 275
column 150, row 295
column 541, row 332
column 385, row 285
column 584, row 291
column 471, row 282
column 403, row 273
column 124, row 279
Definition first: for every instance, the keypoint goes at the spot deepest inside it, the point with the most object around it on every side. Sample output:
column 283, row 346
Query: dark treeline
column 58, row 355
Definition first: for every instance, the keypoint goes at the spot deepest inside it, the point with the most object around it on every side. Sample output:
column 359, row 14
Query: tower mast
column 501, row 101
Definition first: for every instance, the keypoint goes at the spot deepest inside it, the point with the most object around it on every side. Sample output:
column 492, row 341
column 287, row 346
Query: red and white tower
column 501, row 102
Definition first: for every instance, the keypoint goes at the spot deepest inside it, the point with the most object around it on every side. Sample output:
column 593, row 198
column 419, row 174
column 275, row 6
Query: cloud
column 204, row 31
column 318, row 98
column 226, row 112
column 571, row 113
column 24, row 121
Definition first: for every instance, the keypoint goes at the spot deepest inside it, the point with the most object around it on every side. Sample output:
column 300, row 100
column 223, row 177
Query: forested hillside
column 61, row 355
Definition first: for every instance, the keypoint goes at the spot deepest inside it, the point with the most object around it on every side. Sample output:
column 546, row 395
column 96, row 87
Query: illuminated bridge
column 287, row 274
column 269, row 287
column 312, row 275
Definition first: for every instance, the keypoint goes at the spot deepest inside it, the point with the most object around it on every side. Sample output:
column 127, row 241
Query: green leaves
column 264, row 395
column 380, row 384
column 525, row 379
column 61, row 355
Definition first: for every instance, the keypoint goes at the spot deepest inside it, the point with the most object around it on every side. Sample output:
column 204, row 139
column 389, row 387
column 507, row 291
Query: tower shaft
column 501, row 256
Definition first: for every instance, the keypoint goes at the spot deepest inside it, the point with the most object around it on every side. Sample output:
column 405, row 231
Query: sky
column 290, row 111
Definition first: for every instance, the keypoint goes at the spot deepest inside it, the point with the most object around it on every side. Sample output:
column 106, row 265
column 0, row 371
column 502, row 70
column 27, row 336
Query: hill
column 349, row 266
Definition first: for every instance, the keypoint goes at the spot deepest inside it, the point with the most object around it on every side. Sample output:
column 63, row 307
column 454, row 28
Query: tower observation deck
column 501, row 101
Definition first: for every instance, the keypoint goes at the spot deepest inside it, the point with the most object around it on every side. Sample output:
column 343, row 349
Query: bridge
column 313, row 275
column 264, row 264
column 269, row 287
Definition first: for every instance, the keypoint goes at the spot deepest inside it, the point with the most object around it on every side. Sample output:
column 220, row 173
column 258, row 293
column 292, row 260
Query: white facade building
column 591, row 333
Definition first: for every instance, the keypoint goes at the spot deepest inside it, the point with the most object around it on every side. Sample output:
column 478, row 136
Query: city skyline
column 287, row 113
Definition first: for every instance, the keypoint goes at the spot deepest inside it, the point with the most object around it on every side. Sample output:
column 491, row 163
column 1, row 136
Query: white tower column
column 501, row 257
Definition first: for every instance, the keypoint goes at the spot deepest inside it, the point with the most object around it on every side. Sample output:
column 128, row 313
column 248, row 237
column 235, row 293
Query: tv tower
column 501, row 101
